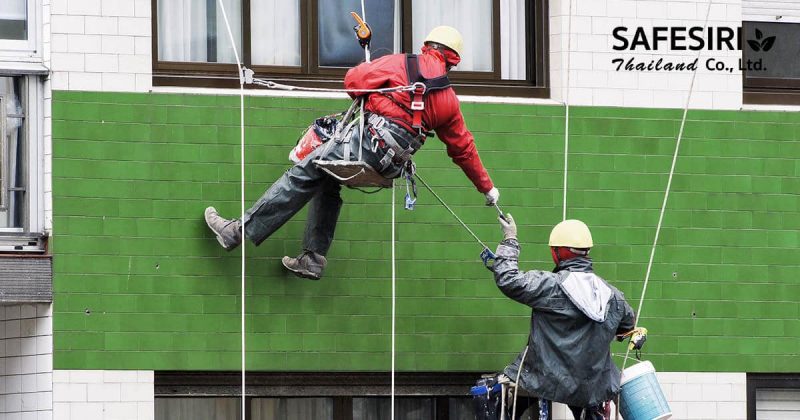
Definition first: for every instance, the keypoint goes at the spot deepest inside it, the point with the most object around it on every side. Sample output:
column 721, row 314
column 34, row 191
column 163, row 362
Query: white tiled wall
column 103, row 395
column 101, row 45
column 593, row 78
column 771, row 10
column 26, row 362
column 696, row 396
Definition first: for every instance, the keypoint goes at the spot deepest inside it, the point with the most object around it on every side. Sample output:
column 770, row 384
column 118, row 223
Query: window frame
column 223, row 75
column 31, row 237
column 767, row 90
column 756, row 381
column 28, row 47
column 437, row 385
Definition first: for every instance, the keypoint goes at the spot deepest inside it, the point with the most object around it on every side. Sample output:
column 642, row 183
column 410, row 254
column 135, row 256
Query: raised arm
column 530, row 287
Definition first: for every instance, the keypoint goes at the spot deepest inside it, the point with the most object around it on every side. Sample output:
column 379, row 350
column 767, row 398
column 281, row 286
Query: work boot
column 308, row 265
column 229, row 232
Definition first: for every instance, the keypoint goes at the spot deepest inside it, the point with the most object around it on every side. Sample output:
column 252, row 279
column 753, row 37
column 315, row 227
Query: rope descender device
column 363, row 31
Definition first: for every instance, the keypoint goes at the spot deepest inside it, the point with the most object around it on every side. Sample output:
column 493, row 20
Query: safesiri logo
column 761, row 45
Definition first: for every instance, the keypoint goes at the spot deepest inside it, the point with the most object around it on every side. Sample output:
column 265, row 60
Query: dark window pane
column 461, row 408
column 14, row 19
column 405, row 408
column 198, row 409
column 292, row 408
column 338, row 46
column 775, row 44
column 195, row 31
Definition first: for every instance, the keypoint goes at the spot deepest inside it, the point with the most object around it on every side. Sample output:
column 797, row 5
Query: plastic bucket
column 641, row 397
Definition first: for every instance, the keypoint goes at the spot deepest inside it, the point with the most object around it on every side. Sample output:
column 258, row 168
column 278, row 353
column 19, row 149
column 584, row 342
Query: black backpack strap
column 412, row 68
column 437, row 83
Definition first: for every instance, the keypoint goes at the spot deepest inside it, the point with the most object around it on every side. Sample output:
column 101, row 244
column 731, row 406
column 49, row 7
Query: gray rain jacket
column 576, row 315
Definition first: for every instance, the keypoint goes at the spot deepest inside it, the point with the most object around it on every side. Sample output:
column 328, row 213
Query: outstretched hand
column 492, row 196
column 508, row 226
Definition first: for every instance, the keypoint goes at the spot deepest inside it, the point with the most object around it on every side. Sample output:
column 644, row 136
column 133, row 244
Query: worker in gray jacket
column 576, row 315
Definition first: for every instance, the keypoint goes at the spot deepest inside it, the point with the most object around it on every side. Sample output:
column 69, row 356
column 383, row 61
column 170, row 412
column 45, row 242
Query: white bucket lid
column 637, row 370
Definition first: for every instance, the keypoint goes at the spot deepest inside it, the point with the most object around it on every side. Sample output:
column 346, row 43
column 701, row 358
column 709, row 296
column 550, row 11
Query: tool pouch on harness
column 397, row 144
column 317, row 133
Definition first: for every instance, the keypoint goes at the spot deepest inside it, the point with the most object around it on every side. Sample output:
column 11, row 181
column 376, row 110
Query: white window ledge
column 757, row 107
column 21, row 67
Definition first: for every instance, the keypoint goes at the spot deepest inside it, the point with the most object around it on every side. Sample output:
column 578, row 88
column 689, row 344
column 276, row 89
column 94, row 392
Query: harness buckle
column 417, row 103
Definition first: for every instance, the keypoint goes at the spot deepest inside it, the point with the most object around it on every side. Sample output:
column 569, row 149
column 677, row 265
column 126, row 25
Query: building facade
column 121, row 123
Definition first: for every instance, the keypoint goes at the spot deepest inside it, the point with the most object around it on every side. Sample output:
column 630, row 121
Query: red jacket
column 442, row 113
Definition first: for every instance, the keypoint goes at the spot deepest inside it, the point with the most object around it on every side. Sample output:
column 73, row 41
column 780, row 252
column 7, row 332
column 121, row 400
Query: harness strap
column 422, row 86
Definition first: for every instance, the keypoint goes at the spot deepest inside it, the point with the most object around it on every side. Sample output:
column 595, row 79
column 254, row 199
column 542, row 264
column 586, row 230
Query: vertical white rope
column 394, row 296
column 517, row 386
column 566, row 115
column 364, row 17
column 394, row 261
column 241, row 118
column 669, row 185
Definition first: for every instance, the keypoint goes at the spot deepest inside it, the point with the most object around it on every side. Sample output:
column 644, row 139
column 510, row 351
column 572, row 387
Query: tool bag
column 487, row 397
column 317, row 133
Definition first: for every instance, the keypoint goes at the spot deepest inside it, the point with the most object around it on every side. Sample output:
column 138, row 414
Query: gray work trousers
column 305, row 182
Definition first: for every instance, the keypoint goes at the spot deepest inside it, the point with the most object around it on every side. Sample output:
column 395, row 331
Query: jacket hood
column 448, row 56
column 581, row 264
column 585, row 289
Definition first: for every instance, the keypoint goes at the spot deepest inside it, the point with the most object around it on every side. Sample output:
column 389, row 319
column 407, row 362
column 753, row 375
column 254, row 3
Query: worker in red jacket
column 397, row 124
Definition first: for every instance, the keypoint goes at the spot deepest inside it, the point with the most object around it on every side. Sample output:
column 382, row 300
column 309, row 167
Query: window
column 198, row 408
column 773, row 396
column 312, row 41
column 771, row 63
column 21, row 210
column 14, row 20
column 18, row 20
column 319, row 396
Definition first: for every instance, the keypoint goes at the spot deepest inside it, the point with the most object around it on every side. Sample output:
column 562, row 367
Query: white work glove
column 492, row 196
column 509, row 227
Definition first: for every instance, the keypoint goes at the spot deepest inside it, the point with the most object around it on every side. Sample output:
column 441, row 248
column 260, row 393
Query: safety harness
column 422, row 86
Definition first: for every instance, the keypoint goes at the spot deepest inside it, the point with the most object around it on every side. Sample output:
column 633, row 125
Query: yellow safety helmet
column 572, row 233
column 447, row 36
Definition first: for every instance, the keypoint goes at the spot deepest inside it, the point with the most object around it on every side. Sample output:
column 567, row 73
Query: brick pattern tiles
column 101, row 45
column 26, row 361
column 696, row 396
column 103, row 395
column 771, row 11
column 594, row 78
column 141, row 284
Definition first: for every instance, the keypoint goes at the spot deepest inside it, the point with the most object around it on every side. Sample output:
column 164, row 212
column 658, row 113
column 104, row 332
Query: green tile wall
column 141, row 284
